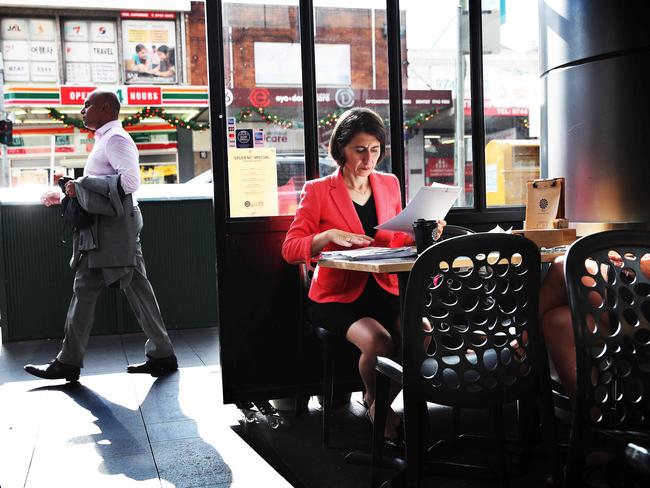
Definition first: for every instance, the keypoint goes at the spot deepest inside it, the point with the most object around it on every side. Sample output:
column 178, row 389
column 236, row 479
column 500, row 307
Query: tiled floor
column 118, row 430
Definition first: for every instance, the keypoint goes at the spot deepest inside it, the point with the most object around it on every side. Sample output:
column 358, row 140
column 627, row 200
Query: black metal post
column 309, row 87
column 478, row 121
column 395, row 93
column 214, row 35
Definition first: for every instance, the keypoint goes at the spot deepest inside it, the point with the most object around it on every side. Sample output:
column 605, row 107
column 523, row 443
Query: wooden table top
column 393, row 265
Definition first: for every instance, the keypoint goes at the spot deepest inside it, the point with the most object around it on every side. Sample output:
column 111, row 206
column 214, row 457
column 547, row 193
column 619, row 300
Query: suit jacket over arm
column 326, row 204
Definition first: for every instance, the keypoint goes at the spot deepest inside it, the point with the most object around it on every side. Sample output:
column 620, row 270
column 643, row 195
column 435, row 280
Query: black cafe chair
column 335, row 350
column 609, row 296
column 452, row 230
column 478, row 296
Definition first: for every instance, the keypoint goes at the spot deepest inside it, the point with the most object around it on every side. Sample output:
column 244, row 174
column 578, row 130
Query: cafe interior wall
column 594, row 121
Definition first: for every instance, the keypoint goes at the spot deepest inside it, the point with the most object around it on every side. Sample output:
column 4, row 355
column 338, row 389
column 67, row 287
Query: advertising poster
column 29, row 50
column 253, row 182
column 149, row 51
column 90, row 51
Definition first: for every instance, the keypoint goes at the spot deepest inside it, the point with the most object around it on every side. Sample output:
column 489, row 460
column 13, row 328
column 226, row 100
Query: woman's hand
column 348, row 239
column 439, row 229
column 340, row 238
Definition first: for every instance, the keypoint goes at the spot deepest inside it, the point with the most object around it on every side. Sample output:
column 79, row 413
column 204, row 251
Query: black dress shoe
column 54, row 370
column 155, row 366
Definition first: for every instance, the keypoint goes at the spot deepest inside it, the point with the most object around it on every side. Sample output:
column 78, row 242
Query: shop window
column 350, row 38
column 266, row 162
column 90, row 52
column 29, row 50
column 512, row 93
column 436, row 84
column 149, row 51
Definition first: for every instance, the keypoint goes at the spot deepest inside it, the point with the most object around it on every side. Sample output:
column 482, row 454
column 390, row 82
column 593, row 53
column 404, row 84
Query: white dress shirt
column 114, row 152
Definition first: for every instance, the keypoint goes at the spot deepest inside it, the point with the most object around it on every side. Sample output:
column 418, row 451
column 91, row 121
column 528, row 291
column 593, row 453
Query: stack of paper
column 367, row 253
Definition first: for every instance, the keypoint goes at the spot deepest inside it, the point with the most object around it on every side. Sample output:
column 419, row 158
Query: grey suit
column 109, row 254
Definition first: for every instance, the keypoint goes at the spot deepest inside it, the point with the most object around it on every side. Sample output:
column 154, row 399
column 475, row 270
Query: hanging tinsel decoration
column 136, row 118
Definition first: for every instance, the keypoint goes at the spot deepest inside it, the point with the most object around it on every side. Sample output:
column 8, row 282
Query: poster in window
column 77, row 52
column 43, row 71
column 91, row 52
column 149, row 51
column 15, row 50
column 77, row 72
column 102, row 32
column 14, row 29
column 103, row 52
column 41, row 29
column 42, row 51
column 16, row 71
column 75, row 31
column 104, row 72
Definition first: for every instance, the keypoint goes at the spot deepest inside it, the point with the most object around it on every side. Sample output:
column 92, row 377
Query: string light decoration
column 247, row 113
column 416, row 122
column 135, row 119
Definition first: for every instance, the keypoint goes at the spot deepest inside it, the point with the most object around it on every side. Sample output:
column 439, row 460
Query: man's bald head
column 99, row 108
column 109, row 98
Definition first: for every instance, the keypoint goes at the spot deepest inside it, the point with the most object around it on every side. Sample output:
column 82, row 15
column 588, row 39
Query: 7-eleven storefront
column 47, row 141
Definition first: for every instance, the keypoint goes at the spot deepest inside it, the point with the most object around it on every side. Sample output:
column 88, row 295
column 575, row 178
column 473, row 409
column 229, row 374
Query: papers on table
column 500, row 230
column 367, row 253
column 429, row 203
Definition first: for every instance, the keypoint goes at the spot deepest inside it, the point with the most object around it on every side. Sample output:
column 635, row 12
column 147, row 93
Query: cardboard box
column 549, row 237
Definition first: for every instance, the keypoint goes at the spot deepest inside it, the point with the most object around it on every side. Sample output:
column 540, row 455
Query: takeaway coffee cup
column 424, row 230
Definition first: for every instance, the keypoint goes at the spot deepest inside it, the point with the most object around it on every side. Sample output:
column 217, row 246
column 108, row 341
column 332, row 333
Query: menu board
column 29, row 50
column 90, row 51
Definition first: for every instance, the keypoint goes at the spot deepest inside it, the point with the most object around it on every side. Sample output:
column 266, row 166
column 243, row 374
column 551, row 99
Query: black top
column 368, row 216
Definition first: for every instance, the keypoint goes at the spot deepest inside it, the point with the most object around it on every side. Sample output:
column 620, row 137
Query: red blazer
column 326, row 204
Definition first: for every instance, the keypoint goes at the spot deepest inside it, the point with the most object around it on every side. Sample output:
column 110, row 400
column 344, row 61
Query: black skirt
column 373, row 302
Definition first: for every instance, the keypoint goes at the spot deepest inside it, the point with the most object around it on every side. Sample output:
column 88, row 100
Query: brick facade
column 258, row 23
column 196, row 45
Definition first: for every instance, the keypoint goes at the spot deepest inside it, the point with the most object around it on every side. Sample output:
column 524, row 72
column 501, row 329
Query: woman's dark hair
column 351, row 123
column 169, row 52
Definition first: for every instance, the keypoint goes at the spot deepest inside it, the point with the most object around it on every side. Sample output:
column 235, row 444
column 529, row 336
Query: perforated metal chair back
column 455, row 231
column 478, row 295
column 608, row 282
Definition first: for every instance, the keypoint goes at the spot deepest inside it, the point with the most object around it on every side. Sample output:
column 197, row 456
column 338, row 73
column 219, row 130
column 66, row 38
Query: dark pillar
column 185, row 155
column 594, row 60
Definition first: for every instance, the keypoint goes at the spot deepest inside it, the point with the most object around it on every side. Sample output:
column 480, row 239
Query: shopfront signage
column 75, row 95
column 144, row 95
column 149, row 15
column 141, row 95
column 262, row 97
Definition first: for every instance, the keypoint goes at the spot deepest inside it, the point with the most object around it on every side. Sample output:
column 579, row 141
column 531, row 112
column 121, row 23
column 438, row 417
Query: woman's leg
column 373, row 340
column 558, row 335
column 556, row 324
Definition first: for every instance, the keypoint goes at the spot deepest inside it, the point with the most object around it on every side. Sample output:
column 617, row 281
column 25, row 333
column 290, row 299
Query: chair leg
column 500, row 437
column 549, row 435
column 328, row 392
column 382, row 385
column 413, row 426
column 455, row 425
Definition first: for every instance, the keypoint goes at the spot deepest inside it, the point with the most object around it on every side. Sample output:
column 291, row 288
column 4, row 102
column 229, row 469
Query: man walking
column 108, row 252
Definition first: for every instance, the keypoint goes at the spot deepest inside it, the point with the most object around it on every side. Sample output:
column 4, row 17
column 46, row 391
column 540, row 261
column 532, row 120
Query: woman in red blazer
column 341, row 211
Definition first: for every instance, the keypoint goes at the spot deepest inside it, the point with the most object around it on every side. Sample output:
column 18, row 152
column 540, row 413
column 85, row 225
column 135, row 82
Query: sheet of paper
column 429, row 203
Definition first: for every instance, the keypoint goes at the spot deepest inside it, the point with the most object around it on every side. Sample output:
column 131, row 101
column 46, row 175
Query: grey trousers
column 88, row 285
